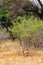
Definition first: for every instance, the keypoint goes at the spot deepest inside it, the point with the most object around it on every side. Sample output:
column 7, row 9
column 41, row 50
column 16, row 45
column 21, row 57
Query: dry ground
column 9, row 56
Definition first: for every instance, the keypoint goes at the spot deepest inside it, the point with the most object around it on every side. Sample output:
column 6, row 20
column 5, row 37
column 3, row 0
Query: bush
column 4, row 35
column 5, row 17
column 5, row 22
column 25, row 28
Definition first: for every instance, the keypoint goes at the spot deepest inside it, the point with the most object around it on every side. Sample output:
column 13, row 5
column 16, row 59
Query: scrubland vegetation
column 21, row 23
column 21, row 33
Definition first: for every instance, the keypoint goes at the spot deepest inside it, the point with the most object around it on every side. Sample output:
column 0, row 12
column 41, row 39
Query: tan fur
column 28, row 52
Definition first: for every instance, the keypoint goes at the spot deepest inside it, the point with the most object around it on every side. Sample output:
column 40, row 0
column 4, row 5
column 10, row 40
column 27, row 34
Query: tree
column 41, row 8
column 18, row 7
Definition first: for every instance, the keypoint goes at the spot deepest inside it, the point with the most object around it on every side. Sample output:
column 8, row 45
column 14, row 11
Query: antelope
column 27, row 52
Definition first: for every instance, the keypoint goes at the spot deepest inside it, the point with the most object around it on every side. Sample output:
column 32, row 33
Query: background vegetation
column 20, row 23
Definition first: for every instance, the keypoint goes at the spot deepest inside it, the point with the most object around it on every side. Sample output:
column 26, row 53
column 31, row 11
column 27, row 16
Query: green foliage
column 25, row 26
column 6, row 1
column 4, row 12
column 28, row 30
column 5, row 17
column 4, row 22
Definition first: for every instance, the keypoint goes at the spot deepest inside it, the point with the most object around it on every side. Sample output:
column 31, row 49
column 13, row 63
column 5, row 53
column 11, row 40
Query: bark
column 17, row 7
column 40, row 3
column 41, row 15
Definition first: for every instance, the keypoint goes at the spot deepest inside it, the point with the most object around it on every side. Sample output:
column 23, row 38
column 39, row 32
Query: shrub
column 5, row 22
column 25, row 27
column 4, row 35
column 5, row 17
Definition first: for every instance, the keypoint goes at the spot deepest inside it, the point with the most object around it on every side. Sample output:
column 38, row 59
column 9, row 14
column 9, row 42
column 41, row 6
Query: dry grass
column 9, row 56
